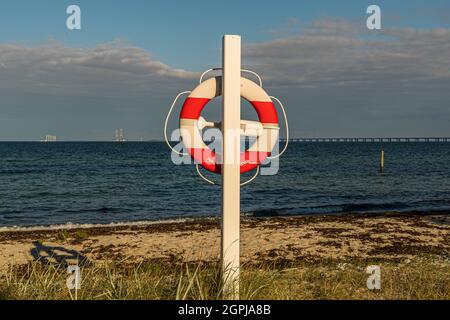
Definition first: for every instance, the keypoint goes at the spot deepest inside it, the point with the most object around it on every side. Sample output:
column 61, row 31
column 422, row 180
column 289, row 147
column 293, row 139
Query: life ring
column 190, row 120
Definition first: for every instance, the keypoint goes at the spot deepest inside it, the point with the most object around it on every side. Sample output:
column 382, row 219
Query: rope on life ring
column 190, row 121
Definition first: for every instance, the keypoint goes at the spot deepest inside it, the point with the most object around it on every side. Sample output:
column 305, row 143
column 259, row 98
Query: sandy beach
column 388, row 236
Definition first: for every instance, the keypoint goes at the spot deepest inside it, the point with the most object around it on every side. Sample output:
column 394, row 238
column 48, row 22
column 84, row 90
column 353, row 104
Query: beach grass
column 315, row 257
column 424, row 277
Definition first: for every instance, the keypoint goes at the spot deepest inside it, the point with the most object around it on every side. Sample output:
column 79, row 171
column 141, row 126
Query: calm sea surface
column 57, row 183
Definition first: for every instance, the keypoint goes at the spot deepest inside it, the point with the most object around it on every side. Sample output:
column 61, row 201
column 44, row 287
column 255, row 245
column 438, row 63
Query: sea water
column 102, row 182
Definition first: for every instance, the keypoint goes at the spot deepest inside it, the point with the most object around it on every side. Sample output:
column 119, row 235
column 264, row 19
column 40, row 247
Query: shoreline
column 77, row 226
column 383, row 237
column 70, row 226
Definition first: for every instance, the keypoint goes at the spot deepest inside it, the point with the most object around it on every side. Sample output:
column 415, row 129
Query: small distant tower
column 119, row 137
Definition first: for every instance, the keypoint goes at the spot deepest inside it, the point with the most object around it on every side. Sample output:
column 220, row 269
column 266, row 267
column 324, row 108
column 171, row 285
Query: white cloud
column 338, row 78
column 336, row 52
column 335, row 77
column 106, row 70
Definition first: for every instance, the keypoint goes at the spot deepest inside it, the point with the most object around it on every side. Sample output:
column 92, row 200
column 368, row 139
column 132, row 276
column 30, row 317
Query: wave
column 17, row 171
column 99, row 209
column 417, row 206
column 70, row 225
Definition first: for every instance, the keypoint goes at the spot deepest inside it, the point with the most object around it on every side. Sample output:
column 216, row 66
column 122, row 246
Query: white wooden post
column 231, row 117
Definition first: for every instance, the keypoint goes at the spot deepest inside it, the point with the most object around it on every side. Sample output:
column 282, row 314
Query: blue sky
column 132, row 57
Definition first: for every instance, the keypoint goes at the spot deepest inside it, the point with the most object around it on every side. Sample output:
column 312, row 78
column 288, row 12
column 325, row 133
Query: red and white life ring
column 190, row 118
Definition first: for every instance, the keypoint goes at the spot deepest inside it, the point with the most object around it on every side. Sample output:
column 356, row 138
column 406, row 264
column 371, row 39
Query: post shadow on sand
column 56, row 255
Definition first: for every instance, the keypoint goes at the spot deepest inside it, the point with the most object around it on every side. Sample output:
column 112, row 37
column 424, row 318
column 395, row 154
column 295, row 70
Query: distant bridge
column 409, row 139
